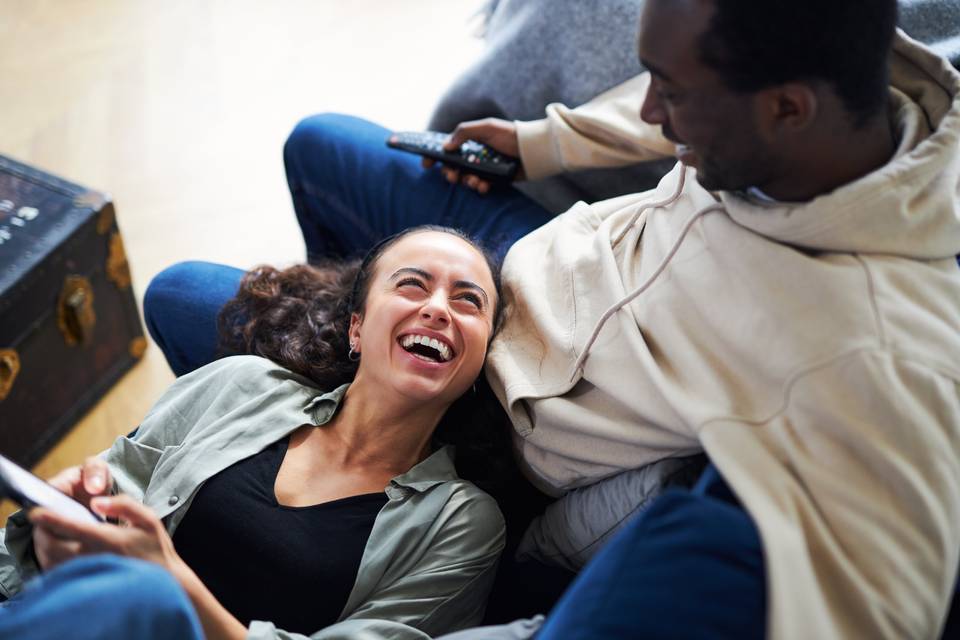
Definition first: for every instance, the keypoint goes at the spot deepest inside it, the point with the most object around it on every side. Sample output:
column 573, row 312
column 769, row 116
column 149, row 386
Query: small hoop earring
column 352, row 355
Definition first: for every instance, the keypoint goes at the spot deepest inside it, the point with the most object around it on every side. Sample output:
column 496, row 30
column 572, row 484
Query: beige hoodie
column 813, row 350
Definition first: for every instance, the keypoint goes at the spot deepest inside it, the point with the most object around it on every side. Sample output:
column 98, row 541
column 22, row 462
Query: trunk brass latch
column 9, row 368
column 75, row 315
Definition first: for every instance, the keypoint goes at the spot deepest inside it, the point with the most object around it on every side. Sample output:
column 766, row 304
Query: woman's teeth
column 443, row 351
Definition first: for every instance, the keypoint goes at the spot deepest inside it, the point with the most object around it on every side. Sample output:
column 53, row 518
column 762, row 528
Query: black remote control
column 473, row 157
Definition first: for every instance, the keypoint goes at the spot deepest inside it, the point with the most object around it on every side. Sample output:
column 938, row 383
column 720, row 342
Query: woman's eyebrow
column 420, row 272
column 426, row 275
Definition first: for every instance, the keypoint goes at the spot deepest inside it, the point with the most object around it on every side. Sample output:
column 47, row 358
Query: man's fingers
column 452, row 175
column 476, row 183
column 426, row 163
column 460, row 135
column 478, row 130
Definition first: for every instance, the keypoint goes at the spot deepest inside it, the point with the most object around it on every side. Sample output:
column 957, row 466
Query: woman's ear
column 353, row 333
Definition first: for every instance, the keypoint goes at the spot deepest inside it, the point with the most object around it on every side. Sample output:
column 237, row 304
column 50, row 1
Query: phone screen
column 28, row 490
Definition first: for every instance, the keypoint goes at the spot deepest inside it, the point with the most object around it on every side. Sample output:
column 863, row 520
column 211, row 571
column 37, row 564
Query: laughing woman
column 312, row 491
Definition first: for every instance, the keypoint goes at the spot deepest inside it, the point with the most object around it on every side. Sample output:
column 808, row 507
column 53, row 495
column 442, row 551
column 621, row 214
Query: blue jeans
column 101, row 597
column 349, row 191
column 689, row 567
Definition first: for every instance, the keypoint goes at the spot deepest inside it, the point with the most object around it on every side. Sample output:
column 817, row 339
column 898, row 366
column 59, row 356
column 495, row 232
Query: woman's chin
column 430, row 391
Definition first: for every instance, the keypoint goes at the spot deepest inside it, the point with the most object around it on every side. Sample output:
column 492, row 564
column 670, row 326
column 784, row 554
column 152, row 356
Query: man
column 787, row 299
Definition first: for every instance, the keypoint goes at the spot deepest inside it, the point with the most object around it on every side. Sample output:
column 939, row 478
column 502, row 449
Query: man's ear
column 353, row 333
column 789, row 108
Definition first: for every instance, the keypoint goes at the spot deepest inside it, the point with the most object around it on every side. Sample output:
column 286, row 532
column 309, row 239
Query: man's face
column 714, row 127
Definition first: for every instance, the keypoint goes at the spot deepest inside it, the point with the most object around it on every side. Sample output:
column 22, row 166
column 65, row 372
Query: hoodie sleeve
column 605, row 132
column 855, row 487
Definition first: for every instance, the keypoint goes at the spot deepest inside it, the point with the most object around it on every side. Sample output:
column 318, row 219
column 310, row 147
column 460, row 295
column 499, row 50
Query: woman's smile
column 428, row 319
column 426, row 346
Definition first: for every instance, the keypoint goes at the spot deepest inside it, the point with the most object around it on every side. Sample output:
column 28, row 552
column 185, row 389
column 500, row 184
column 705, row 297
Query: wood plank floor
column 179, row 109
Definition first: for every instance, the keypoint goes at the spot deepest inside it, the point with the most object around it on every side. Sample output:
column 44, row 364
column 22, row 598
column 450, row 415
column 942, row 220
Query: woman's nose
column 435, row 308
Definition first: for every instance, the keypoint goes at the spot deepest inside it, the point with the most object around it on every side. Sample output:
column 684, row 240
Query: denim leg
column 180, row 308
column 691, row 566
column 101, row 597
column 350, row 190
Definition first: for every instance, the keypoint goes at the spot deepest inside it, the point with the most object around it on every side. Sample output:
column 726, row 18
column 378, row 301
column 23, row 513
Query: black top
column 292, row 566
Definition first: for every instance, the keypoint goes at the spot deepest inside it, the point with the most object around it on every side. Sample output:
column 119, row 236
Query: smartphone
column 28, row 491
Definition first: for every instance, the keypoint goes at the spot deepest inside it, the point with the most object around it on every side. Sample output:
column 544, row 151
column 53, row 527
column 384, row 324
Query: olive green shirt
column 431, row 557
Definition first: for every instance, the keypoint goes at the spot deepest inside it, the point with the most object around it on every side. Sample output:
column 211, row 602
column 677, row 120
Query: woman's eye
column 472, row 299
column 410, row 282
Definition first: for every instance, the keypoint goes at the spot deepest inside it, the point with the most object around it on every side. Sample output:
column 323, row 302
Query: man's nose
column 652, row 110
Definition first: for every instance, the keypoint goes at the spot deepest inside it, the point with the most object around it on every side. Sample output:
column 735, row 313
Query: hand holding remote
column 499, row 134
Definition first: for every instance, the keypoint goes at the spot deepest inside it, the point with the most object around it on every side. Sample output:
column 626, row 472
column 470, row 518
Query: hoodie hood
column 910, row 206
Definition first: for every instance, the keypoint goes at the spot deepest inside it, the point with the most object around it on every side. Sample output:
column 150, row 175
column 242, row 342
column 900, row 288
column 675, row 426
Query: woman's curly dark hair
column 298, row 317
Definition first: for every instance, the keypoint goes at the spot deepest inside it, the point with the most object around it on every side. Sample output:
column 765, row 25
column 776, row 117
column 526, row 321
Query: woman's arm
column 143, row 536
column 133, row 460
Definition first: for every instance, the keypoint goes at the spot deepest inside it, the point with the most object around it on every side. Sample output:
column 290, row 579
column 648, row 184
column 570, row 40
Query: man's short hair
column 754, row 44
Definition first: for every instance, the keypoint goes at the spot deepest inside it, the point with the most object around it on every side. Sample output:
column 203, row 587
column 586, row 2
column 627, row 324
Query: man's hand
column 496, row 133
column 82, row 483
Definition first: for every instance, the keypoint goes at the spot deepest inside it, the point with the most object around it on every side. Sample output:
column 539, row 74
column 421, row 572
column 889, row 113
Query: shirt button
column 173, row 500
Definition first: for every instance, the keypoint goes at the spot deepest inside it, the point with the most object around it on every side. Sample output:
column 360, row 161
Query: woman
column 289, row 502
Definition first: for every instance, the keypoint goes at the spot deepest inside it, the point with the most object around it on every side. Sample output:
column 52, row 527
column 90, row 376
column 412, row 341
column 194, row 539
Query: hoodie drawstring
column 578, row 365
column 652, row 205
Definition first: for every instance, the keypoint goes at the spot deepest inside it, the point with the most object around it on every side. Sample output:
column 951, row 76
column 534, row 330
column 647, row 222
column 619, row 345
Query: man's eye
column 667, row 96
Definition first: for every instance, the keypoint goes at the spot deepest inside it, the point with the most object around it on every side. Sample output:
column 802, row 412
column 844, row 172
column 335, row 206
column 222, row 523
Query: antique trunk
column 69, row 326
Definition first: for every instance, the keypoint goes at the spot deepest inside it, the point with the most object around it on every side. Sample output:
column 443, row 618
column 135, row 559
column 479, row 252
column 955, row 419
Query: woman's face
column 427, row 318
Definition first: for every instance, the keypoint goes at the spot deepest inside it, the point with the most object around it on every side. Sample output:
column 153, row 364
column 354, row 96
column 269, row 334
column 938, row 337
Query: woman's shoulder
column 237, row 365
column 225, row 380
column 471, row 505
column 246, row 370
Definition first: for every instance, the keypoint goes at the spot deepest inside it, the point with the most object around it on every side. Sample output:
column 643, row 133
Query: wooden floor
column 179, row 109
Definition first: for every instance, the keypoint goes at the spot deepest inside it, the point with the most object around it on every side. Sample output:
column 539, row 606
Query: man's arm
column 605, row 132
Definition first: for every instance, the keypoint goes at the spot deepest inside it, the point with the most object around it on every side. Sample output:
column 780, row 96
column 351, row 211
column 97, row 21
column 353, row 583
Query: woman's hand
column 82, row 483
column 139, row 535
column 499, row 134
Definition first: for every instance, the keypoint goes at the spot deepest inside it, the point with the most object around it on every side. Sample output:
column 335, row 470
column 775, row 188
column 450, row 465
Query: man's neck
column 832, row 160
